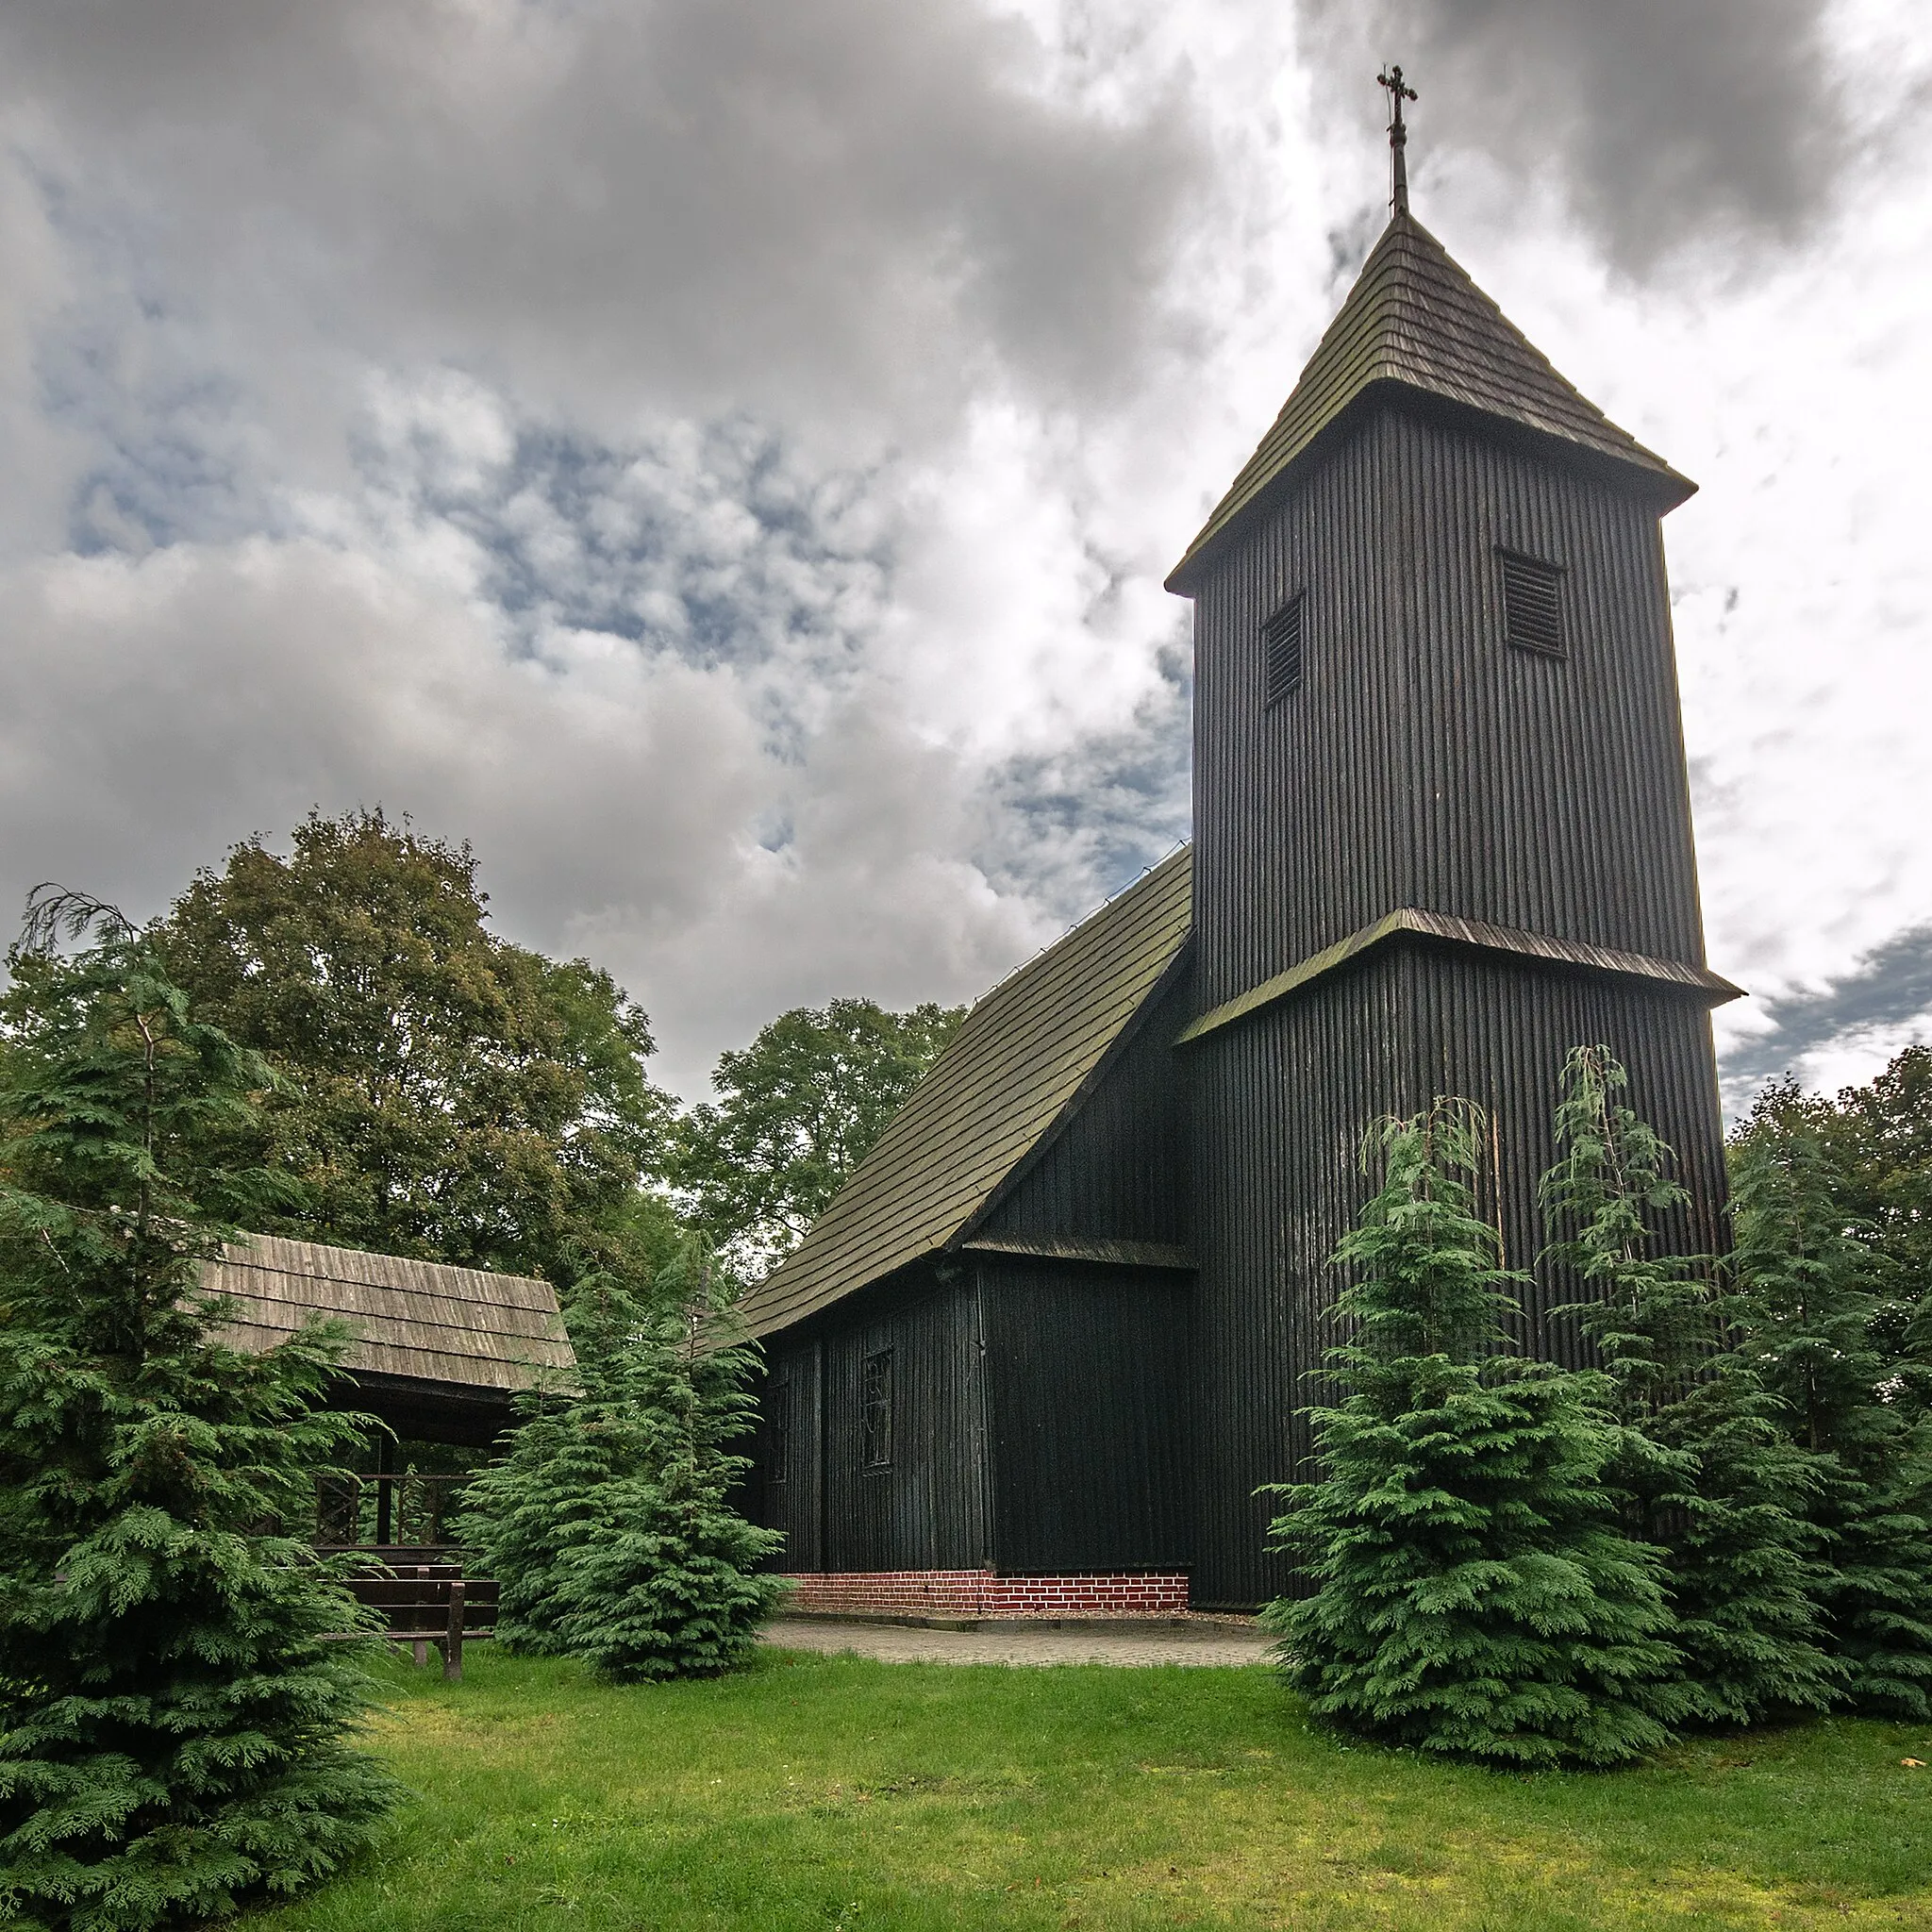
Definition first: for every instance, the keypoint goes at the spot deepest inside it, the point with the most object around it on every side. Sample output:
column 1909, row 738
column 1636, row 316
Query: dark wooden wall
column 1037, row 1424
column 1424, row 761
column 1277, row 1189
column 1085, row 1378
column 928, row 1510
column 1120, row 1167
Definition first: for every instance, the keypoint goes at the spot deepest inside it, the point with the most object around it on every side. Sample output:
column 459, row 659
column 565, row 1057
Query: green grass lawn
column 832, row 1792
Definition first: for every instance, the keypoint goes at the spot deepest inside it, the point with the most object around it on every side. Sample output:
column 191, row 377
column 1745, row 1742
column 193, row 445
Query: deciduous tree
column 442, row 1092
column 798, row 1110
column 1879, row 1141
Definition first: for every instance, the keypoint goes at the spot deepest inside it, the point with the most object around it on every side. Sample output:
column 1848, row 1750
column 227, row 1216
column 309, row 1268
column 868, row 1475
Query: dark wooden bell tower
column 1442, row 826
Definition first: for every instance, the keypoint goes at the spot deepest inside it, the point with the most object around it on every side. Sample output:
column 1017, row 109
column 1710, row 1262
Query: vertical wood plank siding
column 1085, row 1371
column 1305, row 1080
column 1038, row 1426
column 1422, row 763
column 1119, row 1168
column 928, row 1510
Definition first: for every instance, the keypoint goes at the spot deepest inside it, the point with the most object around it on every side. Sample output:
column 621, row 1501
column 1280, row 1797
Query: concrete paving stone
column 1220, row 1641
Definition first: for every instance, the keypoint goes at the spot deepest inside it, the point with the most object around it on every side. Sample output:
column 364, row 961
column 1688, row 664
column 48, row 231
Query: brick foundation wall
column 980, row 1593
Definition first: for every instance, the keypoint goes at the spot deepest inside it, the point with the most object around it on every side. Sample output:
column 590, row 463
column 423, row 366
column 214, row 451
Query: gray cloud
column 692, row 204
column 152, row 712
column 1886, row 991
column 1666, row 123
column 721, row 458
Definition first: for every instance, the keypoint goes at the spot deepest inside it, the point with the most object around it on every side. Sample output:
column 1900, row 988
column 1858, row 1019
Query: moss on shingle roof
column 1416, row 321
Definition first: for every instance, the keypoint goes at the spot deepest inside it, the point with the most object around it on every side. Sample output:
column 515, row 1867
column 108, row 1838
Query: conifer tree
column 610, row 1522
column 1804, row 1303
column 552, row 1486
column 1703, row 1465
column 174, row 1725
column 1473, row 1593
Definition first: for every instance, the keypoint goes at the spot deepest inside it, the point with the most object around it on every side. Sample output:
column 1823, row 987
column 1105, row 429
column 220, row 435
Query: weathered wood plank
column 464, row 1326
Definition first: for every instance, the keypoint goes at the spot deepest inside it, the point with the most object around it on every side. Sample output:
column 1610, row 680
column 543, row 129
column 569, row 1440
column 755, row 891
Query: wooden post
column 453, row 1642
column 385, row 1463
column 421, row 1644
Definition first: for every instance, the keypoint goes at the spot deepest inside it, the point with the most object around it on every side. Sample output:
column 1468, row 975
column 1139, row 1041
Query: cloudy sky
column 721, row 458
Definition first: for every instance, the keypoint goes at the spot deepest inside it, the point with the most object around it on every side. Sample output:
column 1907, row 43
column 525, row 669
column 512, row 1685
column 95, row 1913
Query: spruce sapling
column 1803, row 1303
column 1702, row 1464
column 552, row 1489
column 609, row 1524
column 174, row 1723
column 668, row 1584
column 1473, row 1593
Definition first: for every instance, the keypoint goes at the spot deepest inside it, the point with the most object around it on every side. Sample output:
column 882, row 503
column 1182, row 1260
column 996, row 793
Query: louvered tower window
column 875, row 1411
column 1281, row 650
column 1532, row 603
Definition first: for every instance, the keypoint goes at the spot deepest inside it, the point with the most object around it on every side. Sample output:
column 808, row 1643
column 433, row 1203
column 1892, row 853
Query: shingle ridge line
column 1150, row 939
column 1145, row 872
column 249, row 1238
column 450, row 1307
column 1069, row 1054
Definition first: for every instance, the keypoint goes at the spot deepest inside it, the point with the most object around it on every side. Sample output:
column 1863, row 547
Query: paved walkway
column 1024, row 1643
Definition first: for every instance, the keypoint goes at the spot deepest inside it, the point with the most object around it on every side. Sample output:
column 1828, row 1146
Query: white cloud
column 723, row 460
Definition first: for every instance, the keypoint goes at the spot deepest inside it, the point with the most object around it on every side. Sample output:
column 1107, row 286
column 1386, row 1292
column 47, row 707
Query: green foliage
column 549, row 1493
column 1803, row 1302
column 609, row 1524
column 442, row 1094
column 817, row 1792
column 1652, row 1319
column 1879, row 1142
column 1702, row 1466
column 798, row 1109
column 173, row 1722
column 1473, row 1593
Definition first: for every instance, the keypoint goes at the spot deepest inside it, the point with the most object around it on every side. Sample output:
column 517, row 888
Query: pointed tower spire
column 1414, row 324
column 1398, row 136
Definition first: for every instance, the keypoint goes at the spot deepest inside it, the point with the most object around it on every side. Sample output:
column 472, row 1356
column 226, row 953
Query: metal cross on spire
column 1398, row 136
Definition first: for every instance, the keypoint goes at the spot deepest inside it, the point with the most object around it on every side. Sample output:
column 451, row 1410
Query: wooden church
column 1041, row 1352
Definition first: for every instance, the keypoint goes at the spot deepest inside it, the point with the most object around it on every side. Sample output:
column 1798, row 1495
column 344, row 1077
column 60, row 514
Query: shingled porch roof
column 1016, row 1070
column 418, row 1323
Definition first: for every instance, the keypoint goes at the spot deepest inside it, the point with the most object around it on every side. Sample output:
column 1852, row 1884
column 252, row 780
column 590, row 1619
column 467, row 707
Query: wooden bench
column 432, row 1603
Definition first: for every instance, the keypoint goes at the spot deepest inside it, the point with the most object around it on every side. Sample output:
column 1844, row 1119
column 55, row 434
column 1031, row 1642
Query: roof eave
column 1658, row 480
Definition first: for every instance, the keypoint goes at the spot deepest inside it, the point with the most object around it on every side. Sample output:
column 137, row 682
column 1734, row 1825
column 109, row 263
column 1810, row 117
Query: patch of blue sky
column 1882, row 1003
column 169, row 457
column 1096, row 814
column 704, row 542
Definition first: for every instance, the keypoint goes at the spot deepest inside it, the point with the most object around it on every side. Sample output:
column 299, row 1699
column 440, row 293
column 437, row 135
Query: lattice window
column 875, row 1411
column 1282, row 649
column 1532, row 603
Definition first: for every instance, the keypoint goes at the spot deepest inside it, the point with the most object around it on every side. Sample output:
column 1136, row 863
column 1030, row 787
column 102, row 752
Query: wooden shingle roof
column 417, row 1320
column 1015, row 1070
column 1414, row 319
